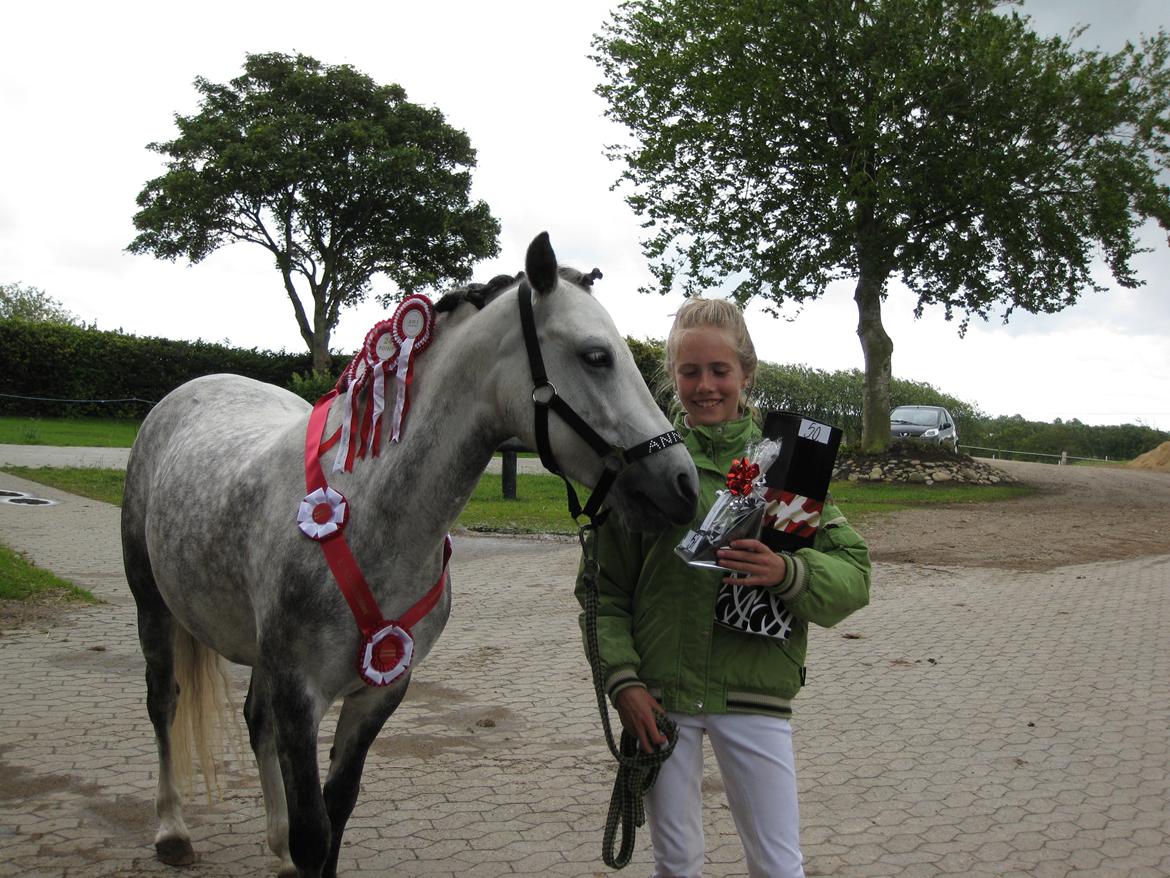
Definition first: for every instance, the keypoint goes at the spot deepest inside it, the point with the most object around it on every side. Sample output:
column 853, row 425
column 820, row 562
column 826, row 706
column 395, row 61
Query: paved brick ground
column 966, row 723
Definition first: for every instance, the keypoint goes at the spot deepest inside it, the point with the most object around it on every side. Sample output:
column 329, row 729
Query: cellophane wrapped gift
column 738, row 511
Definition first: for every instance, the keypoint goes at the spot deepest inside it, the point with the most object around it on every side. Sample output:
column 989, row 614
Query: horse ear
column 540, row 264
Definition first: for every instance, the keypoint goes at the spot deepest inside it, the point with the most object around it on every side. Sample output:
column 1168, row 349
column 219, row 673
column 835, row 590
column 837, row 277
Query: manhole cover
column 6, row 493
column 25, row 500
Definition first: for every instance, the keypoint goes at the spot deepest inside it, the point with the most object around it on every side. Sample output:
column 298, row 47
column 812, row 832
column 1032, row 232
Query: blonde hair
column 697, row 313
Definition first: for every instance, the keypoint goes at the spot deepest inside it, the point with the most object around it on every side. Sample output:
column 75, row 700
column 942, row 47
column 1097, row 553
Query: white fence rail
column 1061, row 459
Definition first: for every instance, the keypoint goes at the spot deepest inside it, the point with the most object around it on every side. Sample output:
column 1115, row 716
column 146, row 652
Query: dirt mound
column 1054, row 526
column 1158, row 459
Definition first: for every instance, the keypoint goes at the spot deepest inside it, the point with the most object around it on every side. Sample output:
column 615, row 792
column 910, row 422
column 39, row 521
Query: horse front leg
column 296, row 715
column 362, row 716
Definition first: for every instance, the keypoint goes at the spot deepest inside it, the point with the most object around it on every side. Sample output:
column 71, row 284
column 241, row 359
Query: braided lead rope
column 637, row 771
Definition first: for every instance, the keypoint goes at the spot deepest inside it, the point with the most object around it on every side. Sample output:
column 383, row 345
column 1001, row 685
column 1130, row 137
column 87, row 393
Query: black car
column 930, row 423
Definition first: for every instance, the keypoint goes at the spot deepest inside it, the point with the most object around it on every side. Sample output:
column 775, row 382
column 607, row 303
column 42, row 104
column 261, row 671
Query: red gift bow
column 741, row 476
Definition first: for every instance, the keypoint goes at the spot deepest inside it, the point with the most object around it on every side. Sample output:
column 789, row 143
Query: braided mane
column 481, row 294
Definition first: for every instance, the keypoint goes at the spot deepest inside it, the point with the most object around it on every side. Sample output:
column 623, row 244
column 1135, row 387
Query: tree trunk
column 322, row 362
column 878, row 350
column 319, row 347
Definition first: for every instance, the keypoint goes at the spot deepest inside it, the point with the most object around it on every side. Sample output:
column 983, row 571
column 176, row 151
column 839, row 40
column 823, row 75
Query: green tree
column 339, row 178
column 779, row 145
column 22, row 302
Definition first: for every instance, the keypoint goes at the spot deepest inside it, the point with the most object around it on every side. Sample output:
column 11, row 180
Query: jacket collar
column 714, row 447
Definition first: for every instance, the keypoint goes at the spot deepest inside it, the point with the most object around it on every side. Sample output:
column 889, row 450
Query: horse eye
column 597, row 358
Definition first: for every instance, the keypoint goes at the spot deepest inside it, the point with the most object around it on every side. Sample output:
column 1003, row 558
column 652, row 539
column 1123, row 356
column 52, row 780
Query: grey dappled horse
column 218, row 566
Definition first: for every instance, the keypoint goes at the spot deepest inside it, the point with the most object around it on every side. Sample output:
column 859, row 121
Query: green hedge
column 61, row 362
column 832, row 397
column 1014, row 433
column 58, row 362
column 835, row 398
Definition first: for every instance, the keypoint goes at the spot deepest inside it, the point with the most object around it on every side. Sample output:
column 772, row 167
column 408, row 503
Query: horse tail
column 205, row 717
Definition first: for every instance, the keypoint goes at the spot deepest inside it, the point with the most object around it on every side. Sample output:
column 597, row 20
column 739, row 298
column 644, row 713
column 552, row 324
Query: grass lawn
column 541, row 506
column 863, row 500
column 21, row 580
column 97, row 484
column 83, row 432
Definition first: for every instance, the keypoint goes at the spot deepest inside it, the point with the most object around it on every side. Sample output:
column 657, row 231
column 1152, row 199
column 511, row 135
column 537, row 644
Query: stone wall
column 935, row 468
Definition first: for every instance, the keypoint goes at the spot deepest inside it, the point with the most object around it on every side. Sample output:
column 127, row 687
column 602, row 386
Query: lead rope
column 637, row 771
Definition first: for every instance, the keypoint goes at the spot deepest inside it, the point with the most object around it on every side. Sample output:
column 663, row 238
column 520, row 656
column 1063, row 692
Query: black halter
column 545, row 397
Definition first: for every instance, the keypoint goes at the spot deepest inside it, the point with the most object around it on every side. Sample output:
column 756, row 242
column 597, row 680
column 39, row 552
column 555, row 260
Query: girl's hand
column 756, row 563
column 636, row 708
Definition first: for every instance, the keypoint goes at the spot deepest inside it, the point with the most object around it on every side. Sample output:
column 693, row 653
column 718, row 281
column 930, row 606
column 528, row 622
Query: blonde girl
column 662, row 651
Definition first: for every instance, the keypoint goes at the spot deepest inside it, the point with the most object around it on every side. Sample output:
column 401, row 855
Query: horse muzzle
column 658, row 491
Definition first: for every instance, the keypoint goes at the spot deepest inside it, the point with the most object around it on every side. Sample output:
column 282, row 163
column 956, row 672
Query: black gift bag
column 798, row 481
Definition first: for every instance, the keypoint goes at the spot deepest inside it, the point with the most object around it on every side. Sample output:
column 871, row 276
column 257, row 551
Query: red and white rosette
column 385, row 654
column 322, row 513
column 381, row 353
column 412, row 327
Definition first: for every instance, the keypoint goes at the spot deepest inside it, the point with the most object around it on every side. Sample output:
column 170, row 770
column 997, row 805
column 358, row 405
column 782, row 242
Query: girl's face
column 708, row 376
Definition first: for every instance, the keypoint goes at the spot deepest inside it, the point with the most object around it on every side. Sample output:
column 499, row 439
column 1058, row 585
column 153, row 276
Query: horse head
column 601, row 424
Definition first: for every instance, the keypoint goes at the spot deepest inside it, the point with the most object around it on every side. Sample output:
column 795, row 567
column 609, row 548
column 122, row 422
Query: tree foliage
column 835, row 397
column 779, row 145
column 22, row 302
column 339, row 178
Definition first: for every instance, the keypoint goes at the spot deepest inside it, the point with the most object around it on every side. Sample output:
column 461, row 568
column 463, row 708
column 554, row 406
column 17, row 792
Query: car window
column 918, row 417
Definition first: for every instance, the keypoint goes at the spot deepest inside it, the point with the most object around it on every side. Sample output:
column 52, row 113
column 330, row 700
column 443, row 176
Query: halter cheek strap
column 637, row 771
column 545, row 398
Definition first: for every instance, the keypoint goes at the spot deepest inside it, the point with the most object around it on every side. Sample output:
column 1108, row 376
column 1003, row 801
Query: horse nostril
column 687, row 489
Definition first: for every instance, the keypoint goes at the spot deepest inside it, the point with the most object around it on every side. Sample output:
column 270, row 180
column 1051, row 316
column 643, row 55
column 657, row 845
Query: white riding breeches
column 758, row 768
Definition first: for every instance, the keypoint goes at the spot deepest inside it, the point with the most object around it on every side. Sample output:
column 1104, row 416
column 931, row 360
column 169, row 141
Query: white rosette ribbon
column 355, row 376
column 322, row 513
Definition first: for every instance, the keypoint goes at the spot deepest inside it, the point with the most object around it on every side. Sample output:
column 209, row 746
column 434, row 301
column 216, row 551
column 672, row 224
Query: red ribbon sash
column 340, row 559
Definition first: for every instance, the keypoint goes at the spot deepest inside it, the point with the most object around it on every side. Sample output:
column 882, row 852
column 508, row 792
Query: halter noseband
column 545, row 397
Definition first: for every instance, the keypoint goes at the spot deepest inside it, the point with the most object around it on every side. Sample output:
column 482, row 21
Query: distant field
column 84, row 432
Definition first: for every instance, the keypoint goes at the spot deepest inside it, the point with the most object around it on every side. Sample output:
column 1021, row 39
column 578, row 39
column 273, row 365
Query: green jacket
column 656, row 614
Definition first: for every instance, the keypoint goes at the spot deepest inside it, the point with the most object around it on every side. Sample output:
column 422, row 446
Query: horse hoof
column 288, row 871
column 175, row 851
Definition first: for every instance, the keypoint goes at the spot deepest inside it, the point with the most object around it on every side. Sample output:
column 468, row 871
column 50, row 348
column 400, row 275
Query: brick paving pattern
column 969, row 722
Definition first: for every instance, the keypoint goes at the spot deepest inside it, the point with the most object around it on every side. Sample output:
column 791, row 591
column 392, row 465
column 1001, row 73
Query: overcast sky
column 85, row 86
